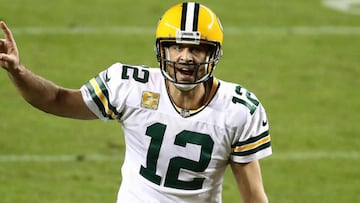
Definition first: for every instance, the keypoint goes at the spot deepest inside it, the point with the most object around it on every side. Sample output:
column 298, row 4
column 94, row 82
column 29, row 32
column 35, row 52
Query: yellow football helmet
column 189, row 23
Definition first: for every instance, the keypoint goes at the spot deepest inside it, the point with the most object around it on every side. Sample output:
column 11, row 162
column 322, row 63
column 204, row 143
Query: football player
column 182, row 125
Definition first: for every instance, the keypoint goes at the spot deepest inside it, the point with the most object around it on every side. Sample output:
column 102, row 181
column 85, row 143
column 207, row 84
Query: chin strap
column 185, row 87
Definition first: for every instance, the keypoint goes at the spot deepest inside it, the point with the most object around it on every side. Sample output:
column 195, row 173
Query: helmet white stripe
column 189, row 16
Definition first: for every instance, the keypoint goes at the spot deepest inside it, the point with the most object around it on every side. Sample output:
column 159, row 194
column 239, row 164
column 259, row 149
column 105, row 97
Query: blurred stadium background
column 301, row 58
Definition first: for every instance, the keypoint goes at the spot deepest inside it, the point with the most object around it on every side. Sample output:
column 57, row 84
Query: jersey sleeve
column 253, row 141
column 102, row 92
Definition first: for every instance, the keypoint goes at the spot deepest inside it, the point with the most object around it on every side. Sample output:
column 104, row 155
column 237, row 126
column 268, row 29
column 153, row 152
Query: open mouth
column 185, row 75
column 186, row 71
column 183, row 72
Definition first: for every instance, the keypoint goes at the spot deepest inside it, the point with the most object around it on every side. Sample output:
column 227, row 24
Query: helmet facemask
column 201, row 71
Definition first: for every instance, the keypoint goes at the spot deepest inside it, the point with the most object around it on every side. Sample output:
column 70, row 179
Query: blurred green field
column 301, row 58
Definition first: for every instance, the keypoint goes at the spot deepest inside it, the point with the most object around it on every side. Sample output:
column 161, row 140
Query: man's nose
column 186, row 55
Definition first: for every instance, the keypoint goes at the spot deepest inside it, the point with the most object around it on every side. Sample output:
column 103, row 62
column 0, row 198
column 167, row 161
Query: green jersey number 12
column 156, row 132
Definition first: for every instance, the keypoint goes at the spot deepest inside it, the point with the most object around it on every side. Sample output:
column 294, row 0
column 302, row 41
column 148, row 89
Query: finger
column 7, row 32
column 4, row 57
column 4, row 61
column 7, row 58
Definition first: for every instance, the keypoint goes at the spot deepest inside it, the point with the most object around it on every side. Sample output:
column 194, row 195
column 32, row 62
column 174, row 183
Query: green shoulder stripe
column 100, row 96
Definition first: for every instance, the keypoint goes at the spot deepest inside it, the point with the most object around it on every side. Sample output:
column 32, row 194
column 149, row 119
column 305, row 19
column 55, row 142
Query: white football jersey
column 175, row 155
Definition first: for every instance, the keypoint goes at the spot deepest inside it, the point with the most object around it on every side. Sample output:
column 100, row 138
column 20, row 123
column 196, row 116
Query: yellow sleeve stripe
column 100, row 96
column 252, row 145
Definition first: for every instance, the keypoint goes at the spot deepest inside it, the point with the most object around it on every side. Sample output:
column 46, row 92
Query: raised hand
column 9, row 54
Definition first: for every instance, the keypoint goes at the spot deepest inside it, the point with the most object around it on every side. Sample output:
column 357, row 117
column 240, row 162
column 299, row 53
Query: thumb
column 7, row 61
column 5, row 58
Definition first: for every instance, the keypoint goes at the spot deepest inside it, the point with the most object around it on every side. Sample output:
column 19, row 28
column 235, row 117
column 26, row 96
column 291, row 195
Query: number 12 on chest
column 156, row 132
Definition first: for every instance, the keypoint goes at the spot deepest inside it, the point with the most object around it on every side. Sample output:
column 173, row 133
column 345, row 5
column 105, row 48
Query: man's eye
column 176, row 47
column 196, row 49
